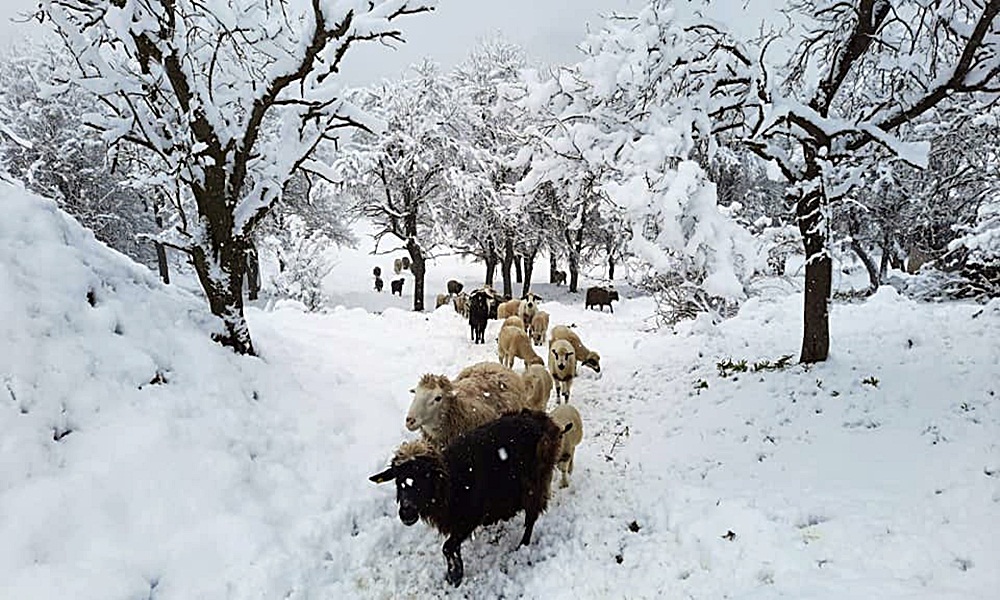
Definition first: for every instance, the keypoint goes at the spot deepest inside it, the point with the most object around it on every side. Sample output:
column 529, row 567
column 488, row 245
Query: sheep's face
column 426, row 405
column 530, row 303
column 593, row 361
column 419, row 482
column 561, row 356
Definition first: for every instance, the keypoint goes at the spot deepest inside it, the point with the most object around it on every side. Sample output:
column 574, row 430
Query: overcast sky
column 549, row 30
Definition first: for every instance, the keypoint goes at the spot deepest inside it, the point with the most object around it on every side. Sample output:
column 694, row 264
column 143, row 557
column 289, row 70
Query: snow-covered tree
column 195, row 81
column 626, row 122
column 56, row 155
column 863, row 72
column 400, row 175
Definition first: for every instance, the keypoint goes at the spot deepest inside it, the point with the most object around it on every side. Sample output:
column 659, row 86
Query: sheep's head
column 561, row 356
column 430, row 395
column 421, row 480
column 593, row 360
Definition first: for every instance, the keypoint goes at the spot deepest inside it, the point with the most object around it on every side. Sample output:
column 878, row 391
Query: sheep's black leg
column 530, row 516
column 453, row 557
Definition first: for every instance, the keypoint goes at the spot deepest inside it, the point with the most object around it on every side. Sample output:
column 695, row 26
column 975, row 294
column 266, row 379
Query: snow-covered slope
column 247, row 478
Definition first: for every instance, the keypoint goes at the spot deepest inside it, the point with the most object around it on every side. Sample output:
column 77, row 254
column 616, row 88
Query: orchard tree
column 401, row 175
column 863, row 72
column 195, row 81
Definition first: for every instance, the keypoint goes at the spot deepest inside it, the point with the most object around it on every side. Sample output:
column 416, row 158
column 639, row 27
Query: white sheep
column 508, row 308
column 563, row 414
column 584, row 356
column 513, row 342
column 528, row 308
column 537, row 386
column 444, row 409
column 562, row 366
column 539, row 327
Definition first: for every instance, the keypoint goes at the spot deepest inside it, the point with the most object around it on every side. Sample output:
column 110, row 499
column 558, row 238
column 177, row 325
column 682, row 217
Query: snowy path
column 666, row 472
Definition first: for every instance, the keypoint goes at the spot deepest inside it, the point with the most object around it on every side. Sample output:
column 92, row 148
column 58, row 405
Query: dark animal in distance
column 397, row 286
column 560, row 278
column 487, row 475
column 479, row 313
column 601, row 297
column 454, row 287
column 378, row 283
column 406, row 263
column 377, row 271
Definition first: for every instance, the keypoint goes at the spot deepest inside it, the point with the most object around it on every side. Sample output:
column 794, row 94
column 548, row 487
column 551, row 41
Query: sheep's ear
column 413, row 390
column 567, row 427
column 387, row 475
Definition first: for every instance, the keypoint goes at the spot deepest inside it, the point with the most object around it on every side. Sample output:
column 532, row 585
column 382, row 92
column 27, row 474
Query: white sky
column 549, row 30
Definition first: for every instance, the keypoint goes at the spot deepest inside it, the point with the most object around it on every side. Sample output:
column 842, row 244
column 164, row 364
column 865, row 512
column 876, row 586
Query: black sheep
column 378, row 283
column 601, row 297
column 397, row 286
column 454, row 287
column 479, row 313
column 486, row 475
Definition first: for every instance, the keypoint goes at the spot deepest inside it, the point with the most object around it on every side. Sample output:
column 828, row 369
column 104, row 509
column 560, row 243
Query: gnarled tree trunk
column 529, row 268
column 418, row 267
column 553, row 266
column 491, row 264
column 253, row 271
column 508, row 260
column 518, row 271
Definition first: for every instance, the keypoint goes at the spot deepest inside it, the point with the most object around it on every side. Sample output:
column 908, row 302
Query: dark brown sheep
column 601, row 297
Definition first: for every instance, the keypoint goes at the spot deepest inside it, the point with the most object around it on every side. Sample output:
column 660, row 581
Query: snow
column 189, row 472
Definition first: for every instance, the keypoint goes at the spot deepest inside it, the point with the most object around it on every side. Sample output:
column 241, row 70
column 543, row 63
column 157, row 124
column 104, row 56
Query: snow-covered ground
column 140, row 460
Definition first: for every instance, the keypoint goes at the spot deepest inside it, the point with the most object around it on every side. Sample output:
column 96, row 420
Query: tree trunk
column 161, row 262
column 873, row 277
column 611, row 267
column 161, row 250
column 518, row 272
column 418, row 267
column 553, row 267
column 529, row 268
column 883, row 267
column 575, row 247
column 491, row 265
column 508, row 260
column 253, row 271
column 810, row 207
column 222, row 280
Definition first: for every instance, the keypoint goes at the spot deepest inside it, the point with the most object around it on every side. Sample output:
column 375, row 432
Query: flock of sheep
column 488, row 446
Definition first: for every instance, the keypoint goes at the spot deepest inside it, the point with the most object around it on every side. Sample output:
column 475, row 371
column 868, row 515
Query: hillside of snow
column 140, row 460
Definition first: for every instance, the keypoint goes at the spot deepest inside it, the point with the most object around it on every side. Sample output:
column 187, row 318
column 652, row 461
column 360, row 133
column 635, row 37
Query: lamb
column 601, row 297
column 514, row 342
column 485, row 476
column 441, row 300
column 513, row 321
column 508, row 309
column 562, row 366
column 479, row 313
column 397, row 286
column 443, row 409
column 564, row 415
column 454, row 287
column 537, row 386
column 528, row 309
column 539, row 327
column 584, row 355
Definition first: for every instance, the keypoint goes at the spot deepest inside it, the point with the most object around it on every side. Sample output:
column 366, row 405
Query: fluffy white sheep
column 584, row 355
column 513, row 342
column 513, row 321
column 537, row 386
column 527, row 309
column 563, row 414
column 539, row 327
column 443, row 409
column 508, row 308
column 562, row 366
